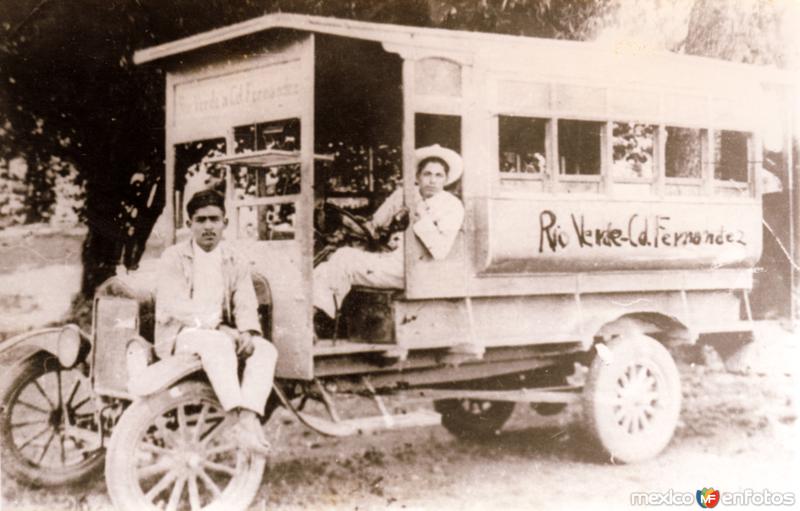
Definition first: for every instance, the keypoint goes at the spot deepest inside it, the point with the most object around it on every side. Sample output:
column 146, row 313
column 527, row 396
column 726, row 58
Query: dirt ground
column 738, row 431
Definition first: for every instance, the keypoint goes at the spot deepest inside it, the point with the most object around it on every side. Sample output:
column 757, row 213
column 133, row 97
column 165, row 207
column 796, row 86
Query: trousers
column 350, row 266
column 217, row 352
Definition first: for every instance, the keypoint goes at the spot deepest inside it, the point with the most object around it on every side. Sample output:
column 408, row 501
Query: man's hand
column 243, row 340
column 244, row 344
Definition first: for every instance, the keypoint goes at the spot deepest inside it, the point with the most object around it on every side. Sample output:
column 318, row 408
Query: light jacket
column 174, row 309
column 436, row 220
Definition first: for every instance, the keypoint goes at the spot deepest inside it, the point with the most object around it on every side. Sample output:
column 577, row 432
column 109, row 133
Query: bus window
column 522, row 145
column 684, row 153
column 253, row 181
column 730, row 156
column 283, row 134
column 256, row 186
column 267, row 222
column 633, row 150
column 579, row 145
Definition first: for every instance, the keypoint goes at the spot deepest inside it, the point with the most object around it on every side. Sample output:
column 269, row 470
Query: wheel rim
column 185, row 459
column 53, row 419
column 638, row 399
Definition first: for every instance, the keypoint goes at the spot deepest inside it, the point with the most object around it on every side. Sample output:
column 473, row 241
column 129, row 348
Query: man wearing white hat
column 436, row 220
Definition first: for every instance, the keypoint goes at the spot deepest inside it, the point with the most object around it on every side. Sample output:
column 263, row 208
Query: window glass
column 253, row 181
column 267, row 222
column 522, row 145
column 730, row 156
column 283, row 134
column 579, row 147
column 633, row 149
column 684, row 152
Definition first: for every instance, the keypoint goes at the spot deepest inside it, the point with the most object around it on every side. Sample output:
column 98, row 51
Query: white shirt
column 209, row 289
column 436, row 221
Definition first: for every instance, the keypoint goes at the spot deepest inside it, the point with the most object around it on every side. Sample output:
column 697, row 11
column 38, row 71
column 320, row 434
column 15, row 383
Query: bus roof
column 433, row 38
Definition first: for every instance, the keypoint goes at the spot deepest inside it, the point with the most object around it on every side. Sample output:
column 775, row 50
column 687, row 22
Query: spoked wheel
column 48, row 425
column 174, row 451
column 473, row 419
column 632, row 400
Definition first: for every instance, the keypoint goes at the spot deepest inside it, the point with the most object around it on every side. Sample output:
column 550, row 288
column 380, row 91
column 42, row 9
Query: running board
column 350, row 427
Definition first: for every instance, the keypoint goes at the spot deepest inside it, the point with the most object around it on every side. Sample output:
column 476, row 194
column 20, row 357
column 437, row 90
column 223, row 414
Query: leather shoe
column 251, row 439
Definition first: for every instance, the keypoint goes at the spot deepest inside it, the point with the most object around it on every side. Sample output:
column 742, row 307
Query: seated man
column 206, row 305
column 436, row 220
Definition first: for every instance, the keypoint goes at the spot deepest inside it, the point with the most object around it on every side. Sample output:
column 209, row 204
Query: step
column 350, row 427
column 328, row 347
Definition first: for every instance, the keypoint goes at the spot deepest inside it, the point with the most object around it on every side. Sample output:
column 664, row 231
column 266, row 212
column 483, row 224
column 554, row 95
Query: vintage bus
column 612, row 212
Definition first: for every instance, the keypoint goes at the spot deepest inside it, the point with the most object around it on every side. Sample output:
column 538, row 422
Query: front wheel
column 49, row 429
column 173, row 451
column 473, row 419
column 632, row 399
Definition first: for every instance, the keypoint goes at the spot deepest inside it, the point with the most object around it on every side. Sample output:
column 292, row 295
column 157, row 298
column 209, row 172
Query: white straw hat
column 455, row 165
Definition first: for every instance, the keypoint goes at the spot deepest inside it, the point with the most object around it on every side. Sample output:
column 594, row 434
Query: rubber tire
column 610, row 440
column 14, row 380
column 121, row 480
column 470, row 426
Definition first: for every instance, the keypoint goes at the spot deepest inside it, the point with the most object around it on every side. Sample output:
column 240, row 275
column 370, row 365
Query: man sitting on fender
column 206, row 305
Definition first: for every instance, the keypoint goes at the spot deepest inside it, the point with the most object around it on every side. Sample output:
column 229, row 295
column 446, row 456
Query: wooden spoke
column 34, row 437
column 194, row 494
column 626, row 422
column 33, row 407
column 201, row 421
column 161, row 485
column 63, row 449
column 215, row 429
column 46, row 447
column 175, row 494
column 27, row 423
column 81, row 403
column 44, row 394
column 72, row 393
column 166, row 435
column 59, row 389
column 210, row 484
column 159, row 467
column 182, row 426
column 219, row 467
column 146, row 447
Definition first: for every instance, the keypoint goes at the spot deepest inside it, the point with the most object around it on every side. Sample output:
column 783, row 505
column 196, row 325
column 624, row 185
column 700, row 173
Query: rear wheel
column 48, row 424
column 473, row 419
column 173, row 451
column 632, row 399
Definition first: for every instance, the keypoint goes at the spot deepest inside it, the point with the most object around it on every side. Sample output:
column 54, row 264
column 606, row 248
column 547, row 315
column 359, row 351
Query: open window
column 633, row 151
column 684, row 149
column 731, row 161
column 522, row 147
column 580, row 155
column 579, row 145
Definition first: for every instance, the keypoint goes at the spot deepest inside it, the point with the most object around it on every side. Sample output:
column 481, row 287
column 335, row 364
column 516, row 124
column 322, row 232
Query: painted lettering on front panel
column 597, row 235
column 236, row 98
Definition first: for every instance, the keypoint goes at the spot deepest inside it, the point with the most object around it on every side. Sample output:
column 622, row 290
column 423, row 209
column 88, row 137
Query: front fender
column 65, row 343
column 162, row 374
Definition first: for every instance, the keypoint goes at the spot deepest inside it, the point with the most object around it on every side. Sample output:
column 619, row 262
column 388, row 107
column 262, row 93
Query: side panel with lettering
column 581, row 235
